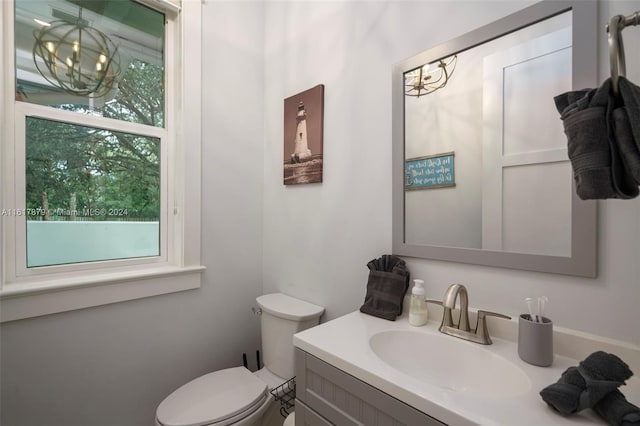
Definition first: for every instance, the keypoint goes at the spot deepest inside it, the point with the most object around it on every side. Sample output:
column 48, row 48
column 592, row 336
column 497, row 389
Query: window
column 91, row 152
column 91, row 191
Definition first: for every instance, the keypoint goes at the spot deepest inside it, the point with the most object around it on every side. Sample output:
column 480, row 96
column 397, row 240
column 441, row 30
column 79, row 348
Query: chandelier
column 77, row 58
column 428, row 79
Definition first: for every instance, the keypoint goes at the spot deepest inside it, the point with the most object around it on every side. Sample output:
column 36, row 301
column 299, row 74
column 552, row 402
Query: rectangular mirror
column 480, row 167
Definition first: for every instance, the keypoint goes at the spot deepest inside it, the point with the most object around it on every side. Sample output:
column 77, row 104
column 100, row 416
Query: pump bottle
column 418, row 306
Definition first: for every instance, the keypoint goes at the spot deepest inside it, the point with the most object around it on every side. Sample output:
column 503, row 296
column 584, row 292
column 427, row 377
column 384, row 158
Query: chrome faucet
column 462, row 329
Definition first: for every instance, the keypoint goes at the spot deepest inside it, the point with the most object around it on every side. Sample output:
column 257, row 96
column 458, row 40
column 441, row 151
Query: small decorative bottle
column 418, row 306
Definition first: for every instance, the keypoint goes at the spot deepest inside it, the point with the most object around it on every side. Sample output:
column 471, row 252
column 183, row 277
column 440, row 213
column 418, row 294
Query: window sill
column 26, row 300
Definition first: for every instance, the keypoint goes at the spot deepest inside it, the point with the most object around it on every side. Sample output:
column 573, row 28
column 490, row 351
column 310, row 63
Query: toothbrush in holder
column 542, row 301
column 529, row 302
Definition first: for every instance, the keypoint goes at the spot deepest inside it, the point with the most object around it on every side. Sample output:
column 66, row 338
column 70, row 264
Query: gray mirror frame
column 583, row 260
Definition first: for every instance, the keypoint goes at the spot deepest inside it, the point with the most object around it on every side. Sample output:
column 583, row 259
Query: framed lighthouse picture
column 303, row 128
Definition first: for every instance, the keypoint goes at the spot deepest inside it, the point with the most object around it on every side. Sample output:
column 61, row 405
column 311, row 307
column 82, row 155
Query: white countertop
column 344, row 343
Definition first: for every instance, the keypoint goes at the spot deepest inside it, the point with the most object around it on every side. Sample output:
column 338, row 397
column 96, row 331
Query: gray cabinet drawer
column 345, row 400
column 305, row 416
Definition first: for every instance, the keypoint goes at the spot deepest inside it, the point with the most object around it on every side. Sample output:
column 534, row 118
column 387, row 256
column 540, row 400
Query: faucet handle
column 484, row 314
column 481, row 326
column 447, row 319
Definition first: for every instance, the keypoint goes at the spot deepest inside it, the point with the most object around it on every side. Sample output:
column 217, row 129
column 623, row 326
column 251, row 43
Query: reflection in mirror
column 485, row 116
column 103, row 58
column 486, row 176
column 429, row 77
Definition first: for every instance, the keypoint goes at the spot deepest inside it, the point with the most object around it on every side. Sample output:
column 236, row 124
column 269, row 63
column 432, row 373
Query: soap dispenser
column 418, row 306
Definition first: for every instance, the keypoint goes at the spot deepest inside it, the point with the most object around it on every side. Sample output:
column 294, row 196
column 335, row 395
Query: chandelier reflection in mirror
column 430, row 77
column 77, row 58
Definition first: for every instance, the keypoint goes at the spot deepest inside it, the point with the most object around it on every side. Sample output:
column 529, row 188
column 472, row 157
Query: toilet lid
column 212, row 398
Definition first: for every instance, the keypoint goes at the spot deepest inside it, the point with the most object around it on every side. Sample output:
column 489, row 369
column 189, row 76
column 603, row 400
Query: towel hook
column 616, row 51
column 616, row 47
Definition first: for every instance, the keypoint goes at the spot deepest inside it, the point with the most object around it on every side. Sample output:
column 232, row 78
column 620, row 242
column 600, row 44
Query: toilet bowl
column 236, row 396
column 290, row 420
column 220, row 398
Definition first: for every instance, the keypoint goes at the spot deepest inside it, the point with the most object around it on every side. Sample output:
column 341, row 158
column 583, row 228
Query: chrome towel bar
column 616, row 47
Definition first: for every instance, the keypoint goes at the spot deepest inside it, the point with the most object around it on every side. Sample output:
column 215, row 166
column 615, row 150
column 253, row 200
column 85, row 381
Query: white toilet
column 235, row 396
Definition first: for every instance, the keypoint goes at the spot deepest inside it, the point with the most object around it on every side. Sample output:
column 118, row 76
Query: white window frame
column 28, row 292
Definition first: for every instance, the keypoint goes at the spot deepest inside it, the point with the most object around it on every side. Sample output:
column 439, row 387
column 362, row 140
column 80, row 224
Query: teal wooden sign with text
column 433, row 171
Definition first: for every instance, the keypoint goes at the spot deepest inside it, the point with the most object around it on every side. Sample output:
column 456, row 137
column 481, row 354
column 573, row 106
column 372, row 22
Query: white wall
column 112, row 365
column 318, row 238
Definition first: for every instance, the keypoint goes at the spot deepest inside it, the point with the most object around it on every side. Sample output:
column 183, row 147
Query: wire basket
column 285, row 394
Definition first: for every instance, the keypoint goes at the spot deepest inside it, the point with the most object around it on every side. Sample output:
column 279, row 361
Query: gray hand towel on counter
column 387, row 284
column 617, row 411
column 586, row 385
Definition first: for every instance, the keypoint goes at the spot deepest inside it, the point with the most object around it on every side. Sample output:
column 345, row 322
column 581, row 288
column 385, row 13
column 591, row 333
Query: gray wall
column 112, row 365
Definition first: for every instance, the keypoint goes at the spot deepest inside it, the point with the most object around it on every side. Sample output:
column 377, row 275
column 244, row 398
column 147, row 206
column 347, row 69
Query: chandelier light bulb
column 41, row 22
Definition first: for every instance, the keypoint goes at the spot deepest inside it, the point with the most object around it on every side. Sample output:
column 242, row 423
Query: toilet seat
column 219, row 398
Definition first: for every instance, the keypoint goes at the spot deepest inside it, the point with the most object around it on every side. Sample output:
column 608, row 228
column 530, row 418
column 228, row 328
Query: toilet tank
column 282, row 317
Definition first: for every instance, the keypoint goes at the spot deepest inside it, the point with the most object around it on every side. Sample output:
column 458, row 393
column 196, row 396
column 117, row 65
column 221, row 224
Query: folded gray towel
column 584, row 386
column 604, row 366
column 387, row 284
column 617, row 411
column 598, row 169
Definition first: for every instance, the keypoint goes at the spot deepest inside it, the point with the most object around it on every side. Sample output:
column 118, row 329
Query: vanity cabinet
column 326, row 396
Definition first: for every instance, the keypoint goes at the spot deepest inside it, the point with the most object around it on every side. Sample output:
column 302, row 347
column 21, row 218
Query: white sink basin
column 450, row 363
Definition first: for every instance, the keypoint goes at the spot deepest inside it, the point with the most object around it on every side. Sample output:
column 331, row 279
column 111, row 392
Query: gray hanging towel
column 598, row 169
column 626, row 123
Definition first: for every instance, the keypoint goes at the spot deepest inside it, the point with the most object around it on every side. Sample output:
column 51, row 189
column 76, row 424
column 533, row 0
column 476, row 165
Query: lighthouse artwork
column 303, row 128
column 301, row 151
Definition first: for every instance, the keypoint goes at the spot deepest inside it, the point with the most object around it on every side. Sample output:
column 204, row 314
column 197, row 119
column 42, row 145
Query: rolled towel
column 564, row 395
column 584, row 386
column 617, row 411
column 603, row 366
